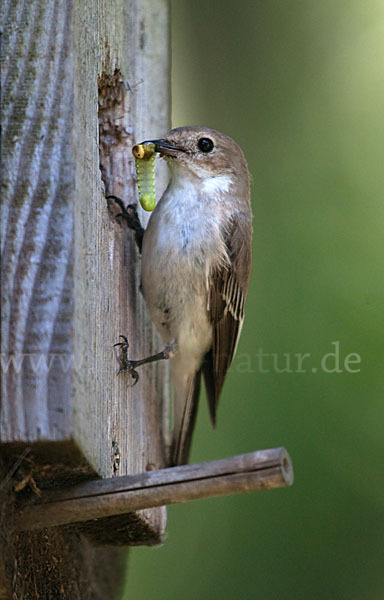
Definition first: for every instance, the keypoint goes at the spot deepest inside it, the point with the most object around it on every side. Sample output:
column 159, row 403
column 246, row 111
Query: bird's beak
column 164, row 147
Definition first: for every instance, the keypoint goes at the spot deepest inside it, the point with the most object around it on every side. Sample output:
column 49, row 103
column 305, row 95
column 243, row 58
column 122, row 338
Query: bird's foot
column 129, row 215
column 125, row 365
column 130, row 366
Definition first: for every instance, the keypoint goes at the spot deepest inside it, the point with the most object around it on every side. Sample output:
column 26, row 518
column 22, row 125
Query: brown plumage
column 196, row 267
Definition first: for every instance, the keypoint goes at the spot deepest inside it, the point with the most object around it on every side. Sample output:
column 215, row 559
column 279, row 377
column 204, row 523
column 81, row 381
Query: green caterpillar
column 145, row 155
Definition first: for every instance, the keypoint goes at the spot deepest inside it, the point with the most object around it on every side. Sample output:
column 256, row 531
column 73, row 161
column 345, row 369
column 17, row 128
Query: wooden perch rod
column 260, row 470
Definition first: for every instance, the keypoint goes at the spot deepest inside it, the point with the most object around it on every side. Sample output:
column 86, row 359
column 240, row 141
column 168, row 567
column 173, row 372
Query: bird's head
column 203, row 152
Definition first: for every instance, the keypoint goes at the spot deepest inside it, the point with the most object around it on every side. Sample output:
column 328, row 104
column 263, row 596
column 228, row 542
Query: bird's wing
column 228, row 288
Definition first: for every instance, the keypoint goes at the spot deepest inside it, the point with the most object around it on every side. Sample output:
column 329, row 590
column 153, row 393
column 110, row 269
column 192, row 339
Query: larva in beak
column 145, row 155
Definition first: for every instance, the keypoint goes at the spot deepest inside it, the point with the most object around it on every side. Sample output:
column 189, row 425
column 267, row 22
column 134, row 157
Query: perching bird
column 196, row 260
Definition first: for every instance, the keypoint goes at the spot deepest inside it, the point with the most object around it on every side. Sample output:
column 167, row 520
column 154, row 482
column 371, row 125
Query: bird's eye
column 205, row 145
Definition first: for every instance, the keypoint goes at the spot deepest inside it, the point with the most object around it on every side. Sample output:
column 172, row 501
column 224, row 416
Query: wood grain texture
column 134, row 62
column 37, row 221
column 70, row 273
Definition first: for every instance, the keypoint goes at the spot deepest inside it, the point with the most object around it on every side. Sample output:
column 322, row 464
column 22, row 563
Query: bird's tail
column 186, row 399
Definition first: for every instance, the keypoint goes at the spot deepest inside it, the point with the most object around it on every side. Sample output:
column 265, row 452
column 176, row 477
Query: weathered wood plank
column 70, row 273
column 37, row 220
column 112, row 415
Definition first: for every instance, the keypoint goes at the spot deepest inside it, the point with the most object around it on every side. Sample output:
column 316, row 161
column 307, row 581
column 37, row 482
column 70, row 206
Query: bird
column 196, row 264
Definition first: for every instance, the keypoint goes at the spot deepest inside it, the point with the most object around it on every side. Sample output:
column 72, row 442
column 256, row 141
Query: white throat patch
column 217, row 184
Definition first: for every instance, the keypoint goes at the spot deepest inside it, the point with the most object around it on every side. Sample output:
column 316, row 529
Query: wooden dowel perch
column 260, row 470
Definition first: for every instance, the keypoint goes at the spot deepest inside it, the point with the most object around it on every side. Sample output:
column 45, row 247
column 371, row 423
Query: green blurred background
column 299, row 84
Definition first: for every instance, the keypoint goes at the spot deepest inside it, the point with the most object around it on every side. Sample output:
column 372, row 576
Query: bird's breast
column 183, row 243
column 188, row 226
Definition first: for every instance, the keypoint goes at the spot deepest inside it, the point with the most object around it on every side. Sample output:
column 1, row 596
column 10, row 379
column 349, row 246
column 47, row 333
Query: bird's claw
column 127, row 215
column 129, row 368
column 125, row 365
